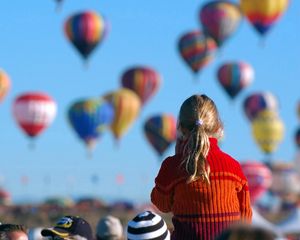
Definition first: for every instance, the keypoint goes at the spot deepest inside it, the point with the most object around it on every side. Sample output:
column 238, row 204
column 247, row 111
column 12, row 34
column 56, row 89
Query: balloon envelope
column 220, row 19
column 197, row 50
column 4, row 84
column 127, row 106
column 85, row 30
column 259, row 178
column 267, row 130
column 285, row 179
column 234, row 77
column 259, row 101
column 90, row 118
column 263, row 14
column 160, row 131
column 297, row 138
column 144, row 81
column 34, row 112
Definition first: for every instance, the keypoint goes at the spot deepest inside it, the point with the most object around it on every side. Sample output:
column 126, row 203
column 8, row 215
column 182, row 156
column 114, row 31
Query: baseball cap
column 70, row 226
column 109, row 227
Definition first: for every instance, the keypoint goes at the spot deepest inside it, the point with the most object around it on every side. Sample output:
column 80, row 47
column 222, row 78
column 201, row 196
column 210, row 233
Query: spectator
column 13, row 232
column 246, row 232
column 201, row 185
column 70, row 227
column 109, row 228
column 147, row 225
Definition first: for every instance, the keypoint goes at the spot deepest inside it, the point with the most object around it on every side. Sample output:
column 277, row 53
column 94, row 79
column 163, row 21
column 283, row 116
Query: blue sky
column 38, row 57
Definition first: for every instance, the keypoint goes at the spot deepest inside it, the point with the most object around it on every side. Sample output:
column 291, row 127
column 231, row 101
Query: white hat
column 109, row 227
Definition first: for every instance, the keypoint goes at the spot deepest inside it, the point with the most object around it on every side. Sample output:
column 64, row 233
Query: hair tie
column 199, row 122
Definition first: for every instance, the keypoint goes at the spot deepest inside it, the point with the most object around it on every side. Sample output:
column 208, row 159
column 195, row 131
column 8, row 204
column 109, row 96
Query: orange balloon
column 4, row 84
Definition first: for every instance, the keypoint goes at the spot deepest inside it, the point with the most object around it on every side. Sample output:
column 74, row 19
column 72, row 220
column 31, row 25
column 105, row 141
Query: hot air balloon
column 85, row 31
column 259, row 178
column 234, row 77
column 160, row 131
column 259, row 101
column 144, row 81
column 127, row 106
column 4, row 84
column 285, row 180
column 220, row 19
column 263, row 14
column 58, row 4
column 5, row 197
column 196, row 49
column 90, row 118
column 267, row 130
column 298, row 110
column 297, row 138
column 34, row 112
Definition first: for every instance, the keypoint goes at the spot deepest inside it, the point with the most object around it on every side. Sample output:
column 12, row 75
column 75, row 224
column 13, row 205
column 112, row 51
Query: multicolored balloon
column 144, row 81
column 4, row 84
column 127, row 106
column 90, row 118
column 160, row 131
column 235, row 76
column 286, row 181
column 297, row 138
column 197, row 50
column 85, row 31
column 259, row 101
column 34, row 112
column 263, row 14
column 259, row 178
column 220, row 19
column 267, row 130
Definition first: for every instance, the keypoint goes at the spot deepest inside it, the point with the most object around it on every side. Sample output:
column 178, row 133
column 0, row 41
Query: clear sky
column 38, row 57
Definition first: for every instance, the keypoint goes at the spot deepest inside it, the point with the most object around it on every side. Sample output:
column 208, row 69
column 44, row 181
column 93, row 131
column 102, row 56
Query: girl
column 202, row 186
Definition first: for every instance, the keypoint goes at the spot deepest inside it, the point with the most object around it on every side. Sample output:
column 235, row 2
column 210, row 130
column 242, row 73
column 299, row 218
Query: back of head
column 146, row 226
column 109, row 228
column 198, row 120
column 12, row 231
column 246, row 232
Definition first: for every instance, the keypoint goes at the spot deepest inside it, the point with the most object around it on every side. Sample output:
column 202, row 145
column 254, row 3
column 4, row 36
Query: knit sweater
column 201, row 211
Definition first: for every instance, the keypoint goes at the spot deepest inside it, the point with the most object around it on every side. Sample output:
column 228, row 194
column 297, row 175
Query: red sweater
column 202, row 211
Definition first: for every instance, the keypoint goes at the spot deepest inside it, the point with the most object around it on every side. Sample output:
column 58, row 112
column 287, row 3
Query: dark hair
column 246, row 232
column 198, row 120
column 7, row 228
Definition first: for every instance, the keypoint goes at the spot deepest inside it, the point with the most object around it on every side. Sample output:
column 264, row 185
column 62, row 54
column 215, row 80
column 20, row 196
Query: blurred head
column 109, row 228
column 146, row 226
column 13, row 232
column 246, row 232
column 198, row 121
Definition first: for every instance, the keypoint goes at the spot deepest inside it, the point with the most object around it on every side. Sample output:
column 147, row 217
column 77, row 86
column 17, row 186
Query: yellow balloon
column 4, row 84
column 263, row 14
column 267, row 130
column 127, row 106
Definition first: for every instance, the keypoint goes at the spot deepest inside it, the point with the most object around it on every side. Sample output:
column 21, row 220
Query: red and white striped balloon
column 34, row 112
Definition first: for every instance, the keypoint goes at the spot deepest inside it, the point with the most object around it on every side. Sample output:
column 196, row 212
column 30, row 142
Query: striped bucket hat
column 147, row 225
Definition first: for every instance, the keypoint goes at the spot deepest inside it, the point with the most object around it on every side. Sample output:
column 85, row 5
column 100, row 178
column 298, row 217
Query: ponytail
column 198, row 120
column 195, row 152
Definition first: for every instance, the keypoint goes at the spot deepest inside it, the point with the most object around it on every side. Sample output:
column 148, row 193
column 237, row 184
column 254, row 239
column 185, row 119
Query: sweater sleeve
column 167, row 178
column 245, row 204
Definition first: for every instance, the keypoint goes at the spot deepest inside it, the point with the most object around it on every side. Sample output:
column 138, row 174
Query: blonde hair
column 198, row 120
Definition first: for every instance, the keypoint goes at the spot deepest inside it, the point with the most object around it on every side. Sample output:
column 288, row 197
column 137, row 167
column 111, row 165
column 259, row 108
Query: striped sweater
column 202, row 211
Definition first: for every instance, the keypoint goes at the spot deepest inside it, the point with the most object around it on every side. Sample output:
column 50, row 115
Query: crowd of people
column 146, row 225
